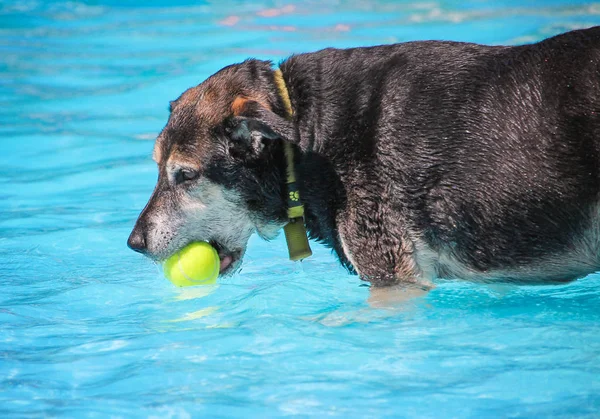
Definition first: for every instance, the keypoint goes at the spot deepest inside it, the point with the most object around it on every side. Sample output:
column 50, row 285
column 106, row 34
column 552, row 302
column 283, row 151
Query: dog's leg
column 395, row 277
column 408, row 282
column 380, row 252
column 396, row 296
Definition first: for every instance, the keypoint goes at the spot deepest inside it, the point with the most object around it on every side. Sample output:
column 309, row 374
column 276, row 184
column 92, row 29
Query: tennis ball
column 196, row 264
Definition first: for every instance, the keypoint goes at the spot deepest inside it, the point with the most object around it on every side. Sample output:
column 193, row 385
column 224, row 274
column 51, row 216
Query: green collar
column 295, row 231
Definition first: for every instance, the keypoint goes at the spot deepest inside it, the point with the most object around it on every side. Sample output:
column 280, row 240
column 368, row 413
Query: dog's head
column 221, row 171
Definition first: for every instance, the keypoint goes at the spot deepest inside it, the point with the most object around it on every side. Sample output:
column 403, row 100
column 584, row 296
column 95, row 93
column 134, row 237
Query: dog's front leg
column 389, row 266
column 384, row 262
column 396, row 297
column 382, row 253
column 378, row 249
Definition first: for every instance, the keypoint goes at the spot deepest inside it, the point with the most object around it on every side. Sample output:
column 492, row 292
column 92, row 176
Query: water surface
column 91, row 329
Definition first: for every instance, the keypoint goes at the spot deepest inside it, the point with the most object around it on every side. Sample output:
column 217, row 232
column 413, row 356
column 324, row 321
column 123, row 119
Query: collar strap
column 295, row 231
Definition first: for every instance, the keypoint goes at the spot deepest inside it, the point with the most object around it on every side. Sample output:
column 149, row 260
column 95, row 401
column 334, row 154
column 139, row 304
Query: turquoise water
column 88, row 328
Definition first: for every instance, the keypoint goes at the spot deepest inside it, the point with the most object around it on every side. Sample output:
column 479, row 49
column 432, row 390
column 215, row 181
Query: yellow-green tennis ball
column 196, row 264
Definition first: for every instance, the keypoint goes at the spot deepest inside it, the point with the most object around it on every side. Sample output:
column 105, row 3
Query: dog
column 414, row 161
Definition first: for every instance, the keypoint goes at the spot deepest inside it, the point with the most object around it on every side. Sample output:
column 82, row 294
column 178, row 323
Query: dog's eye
column 185, row 175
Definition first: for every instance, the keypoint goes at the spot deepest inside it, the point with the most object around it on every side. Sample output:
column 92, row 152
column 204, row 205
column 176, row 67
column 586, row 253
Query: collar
column 295, row 230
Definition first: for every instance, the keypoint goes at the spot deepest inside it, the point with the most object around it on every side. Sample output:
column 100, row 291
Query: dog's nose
column 137, row 240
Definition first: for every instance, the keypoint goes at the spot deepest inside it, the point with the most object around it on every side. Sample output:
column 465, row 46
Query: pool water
column 88, row 328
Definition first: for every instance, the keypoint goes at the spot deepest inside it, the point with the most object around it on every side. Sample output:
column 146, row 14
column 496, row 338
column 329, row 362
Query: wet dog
column 414, row 161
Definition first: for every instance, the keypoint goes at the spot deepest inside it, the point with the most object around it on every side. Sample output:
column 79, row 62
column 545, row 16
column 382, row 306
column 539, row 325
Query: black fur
column 488, row 152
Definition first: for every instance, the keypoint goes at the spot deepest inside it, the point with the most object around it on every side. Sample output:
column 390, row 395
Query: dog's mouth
column 229, row 258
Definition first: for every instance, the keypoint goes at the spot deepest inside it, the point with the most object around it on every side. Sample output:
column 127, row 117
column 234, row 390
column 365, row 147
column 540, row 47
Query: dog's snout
column 137, row 240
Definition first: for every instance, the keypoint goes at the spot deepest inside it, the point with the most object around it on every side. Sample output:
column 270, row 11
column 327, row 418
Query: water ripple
column 88, row 328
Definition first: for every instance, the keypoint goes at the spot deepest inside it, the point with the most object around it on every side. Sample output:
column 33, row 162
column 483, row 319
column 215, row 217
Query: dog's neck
column 318, row 178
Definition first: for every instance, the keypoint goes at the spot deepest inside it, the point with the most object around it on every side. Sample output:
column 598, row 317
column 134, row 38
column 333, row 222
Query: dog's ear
column 253, row 123
column 249, row 134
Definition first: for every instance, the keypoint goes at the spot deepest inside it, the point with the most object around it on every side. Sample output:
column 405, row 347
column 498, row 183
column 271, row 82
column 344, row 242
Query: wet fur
column 415, row 160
